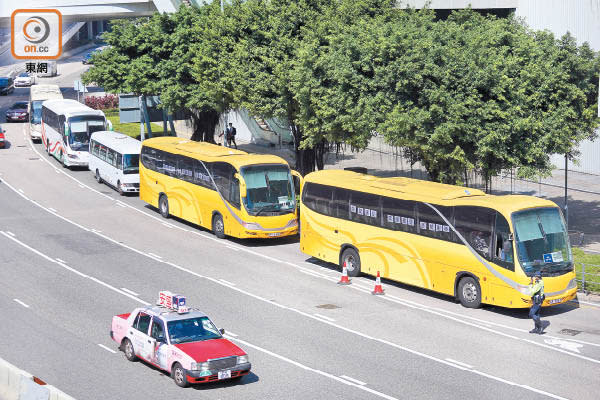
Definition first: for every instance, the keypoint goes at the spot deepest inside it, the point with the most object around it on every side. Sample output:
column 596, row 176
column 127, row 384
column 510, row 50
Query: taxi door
column 139, row 335
column 157, row 345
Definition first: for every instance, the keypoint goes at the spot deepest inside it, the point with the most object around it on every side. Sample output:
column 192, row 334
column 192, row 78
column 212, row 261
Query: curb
column 16, row 384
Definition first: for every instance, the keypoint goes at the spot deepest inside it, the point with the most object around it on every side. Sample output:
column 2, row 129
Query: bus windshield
column 82, row 128
column 269, row 189
column 131, row 164
column 542, row 241
column 36, row 115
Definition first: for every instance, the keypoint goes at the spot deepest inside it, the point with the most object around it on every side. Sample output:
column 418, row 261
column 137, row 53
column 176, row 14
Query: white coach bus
column 115, row 160
column 66, row 129
column 37, row 95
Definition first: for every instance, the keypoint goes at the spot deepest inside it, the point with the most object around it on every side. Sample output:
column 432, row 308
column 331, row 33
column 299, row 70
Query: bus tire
column 47, row 146
column 62, row 160
column 351, row 258
column 98, row 178
column 163, row 205
column 119, row 190
column 469, row 292
column 218, row 226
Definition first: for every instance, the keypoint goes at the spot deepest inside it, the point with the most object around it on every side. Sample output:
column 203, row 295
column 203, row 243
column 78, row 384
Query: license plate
column 554, row 301
column 224, row 374
column 275, row 234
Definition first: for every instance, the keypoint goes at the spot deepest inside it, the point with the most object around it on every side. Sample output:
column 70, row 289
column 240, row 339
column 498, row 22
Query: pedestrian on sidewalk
column 536, row 289
column 229, row 133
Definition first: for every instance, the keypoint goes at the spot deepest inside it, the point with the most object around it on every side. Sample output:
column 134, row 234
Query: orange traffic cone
column 378, row 289
column 344, row 280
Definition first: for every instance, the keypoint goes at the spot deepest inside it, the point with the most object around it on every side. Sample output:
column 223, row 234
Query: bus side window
column 119, row 161
column 318, row 198
column 341, row 203
column 432, row 225
column 110, row 156
column 475, row 225
column 365, row 208
column 399, row 215
column 503, row 247
column 102, row 152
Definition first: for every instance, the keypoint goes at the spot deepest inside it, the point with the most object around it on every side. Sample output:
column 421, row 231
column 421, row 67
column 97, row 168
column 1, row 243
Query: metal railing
column 588, row 277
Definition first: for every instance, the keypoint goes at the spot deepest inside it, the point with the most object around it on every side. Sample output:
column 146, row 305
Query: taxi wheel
column 351, row 258
column 218, row 226
column 128, row 350
column 178, row 375
column 163, row 206
column 469, row 292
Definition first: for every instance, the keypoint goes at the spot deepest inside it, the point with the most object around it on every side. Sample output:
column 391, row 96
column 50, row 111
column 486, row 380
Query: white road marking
column 231, row 334
column 10, row 233
column 52, row 209
column 81, row 186
column 167, row 225
column 317, row 371
column 324, row 317
column 74, row 270
column 585, row 302
column 459, row 363
column 107, row 348
column 227, row 282
column 348, row 378
column 21, row 190
column 564, row 344
column 130, row 291
column 308, row 272
column 232, row 247
column 61, row 261
column 155, row 256
column 121, row 205
column 21, row 303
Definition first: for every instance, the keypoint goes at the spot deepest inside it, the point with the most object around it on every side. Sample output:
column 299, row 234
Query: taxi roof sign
column 175, row 302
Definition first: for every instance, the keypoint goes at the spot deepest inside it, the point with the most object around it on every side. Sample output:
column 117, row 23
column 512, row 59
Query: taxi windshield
column 192, row 330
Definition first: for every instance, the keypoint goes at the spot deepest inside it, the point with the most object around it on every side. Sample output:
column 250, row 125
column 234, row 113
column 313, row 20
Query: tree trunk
column 204, row 124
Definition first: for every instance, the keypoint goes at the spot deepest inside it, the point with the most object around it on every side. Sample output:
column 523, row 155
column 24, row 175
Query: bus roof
column 69, row 107
column 45, row 92
column 426, row 191
column 211, row 152
column 117, row 141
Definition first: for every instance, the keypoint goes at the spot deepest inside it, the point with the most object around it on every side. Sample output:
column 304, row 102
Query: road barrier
column 16, row 384
column 588, row 276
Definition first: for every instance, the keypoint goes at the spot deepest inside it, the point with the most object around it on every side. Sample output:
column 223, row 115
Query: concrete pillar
column 100, row 27
column 90, row 26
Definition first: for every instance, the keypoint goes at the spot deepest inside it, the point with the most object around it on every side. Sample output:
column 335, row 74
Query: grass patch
column 132, row 128
column 592, row 266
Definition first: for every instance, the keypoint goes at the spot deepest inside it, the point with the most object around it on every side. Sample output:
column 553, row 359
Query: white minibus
column 114, row 159
column 66, row 129
column 37, row 95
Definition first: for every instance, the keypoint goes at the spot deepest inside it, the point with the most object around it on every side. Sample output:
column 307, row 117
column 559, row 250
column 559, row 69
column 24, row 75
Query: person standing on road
column 230, row 133
column 536, row 289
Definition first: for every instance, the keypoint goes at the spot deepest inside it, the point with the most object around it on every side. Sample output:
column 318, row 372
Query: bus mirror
column 67, row 129
column 243, row 192
column 511, row 237
column 298, row 181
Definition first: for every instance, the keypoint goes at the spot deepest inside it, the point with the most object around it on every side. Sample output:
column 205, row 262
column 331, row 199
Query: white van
column 115, row 159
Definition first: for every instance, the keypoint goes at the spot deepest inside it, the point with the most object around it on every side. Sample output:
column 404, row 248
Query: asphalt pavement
column 74, row 251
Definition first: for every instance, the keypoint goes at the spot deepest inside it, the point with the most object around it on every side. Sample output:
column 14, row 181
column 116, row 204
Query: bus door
column 298, row 183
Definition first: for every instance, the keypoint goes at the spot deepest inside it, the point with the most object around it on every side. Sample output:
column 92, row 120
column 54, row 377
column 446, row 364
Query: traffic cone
column 344, row 280
column 378, row 289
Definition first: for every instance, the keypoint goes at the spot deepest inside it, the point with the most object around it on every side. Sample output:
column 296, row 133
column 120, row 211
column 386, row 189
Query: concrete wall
column 16, row 384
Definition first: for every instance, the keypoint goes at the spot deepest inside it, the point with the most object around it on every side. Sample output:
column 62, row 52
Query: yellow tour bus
column 228, row 191
column 462, row 242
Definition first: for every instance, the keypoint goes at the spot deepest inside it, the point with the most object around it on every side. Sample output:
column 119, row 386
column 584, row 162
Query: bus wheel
column 119, row 189
column 62, row 159
column 218, row 226
column 163, row 206
column 469, row 292
column 351, row 258
column 47, row 146
column 98, row 179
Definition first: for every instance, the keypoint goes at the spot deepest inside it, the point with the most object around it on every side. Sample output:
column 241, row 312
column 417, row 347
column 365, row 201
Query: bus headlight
column 572, row 284
column 252, row 225
column 292, row 223
column 242, row 359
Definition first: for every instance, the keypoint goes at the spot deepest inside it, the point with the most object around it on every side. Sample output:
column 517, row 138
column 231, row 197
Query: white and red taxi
column 181, row 341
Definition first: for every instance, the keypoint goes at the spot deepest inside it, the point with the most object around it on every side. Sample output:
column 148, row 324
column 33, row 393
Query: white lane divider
column 155, row 256
column 52, row 209
column 61, row 261
column 227, row 282
column 50, row 259
column 107, row 348
column 324, row 317
column 131, row 292
column 360, row 386
column 231, row 334
column 349, row 378
column 459, row 363
column 21, row 190
column 121, row 205
column 21, row 303
column 167, row 225
column 10, row 233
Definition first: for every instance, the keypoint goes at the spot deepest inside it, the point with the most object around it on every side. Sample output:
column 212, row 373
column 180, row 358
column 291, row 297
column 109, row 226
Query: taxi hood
column 210, row 349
